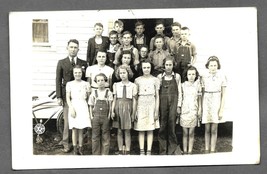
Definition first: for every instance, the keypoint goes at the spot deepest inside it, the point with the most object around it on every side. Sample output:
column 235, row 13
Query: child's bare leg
column 149, row 141
column 74, row 136
column 207, row 137
column 120, row 139
column 214, row 128
column 80, row 133
column 128, row 139
column 191, row 139
column 141, row 138
column 185, row 139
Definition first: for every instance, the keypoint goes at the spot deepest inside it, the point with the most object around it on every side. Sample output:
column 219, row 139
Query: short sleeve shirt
column 101, row 96
column 131, row 90
column 214, row 83
column 93, row 70
column 147, row 86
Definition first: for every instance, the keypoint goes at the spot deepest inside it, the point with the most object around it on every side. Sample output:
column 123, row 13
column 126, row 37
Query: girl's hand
column 156, row 115
column 179, row 110
column 72, row 112
column 109, row 116
column 91, row 116
column 132, row 118
column 135, row 117
column 112, row 115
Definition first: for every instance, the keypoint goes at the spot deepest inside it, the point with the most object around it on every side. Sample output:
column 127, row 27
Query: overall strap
column 96, row 94
column 106, row 95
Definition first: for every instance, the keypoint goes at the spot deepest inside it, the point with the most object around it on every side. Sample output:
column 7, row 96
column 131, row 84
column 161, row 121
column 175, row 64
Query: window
column 40, row 31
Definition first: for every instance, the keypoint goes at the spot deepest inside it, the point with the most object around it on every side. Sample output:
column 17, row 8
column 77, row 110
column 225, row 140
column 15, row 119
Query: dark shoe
column 75, row 151
column 185, row 153
column 206, row 151
column 127, row 152
column 65, row 149
column 120, row 152
column 81, row 151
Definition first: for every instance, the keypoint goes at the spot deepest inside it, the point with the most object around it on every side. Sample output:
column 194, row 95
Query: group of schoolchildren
column 133, row 85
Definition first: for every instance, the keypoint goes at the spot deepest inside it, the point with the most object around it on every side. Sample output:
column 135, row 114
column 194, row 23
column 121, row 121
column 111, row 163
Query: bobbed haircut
column 119, row 22
column 126, row 52
column 101, row 75
column 151, row 64
column 171, row 58
column 77, row 67
column 213, row 58
column 74, row 41
column 127, row 68
column 190, row 68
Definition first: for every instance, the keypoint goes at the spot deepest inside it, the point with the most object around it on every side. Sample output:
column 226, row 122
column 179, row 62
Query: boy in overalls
column 170, row 108
column 185, row 52
column 100, row 111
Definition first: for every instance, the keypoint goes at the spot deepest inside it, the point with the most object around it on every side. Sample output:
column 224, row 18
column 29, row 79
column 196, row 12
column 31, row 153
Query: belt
column 212, row 91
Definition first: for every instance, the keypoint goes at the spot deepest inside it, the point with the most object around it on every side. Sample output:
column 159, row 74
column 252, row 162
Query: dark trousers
column 100, row 129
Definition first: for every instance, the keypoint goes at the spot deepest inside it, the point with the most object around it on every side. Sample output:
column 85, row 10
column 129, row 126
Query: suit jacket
column 91, row 49
column 64, row 74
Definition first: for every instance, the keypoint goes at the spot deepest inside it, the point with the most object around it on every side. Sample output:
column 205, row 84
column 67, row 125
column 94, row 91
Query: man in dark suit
column 64, row 74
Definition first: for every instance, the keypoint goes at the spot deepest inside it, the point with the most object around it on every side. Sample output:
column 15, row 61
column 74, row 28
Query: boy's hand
column 178, row 110
column 60, row 101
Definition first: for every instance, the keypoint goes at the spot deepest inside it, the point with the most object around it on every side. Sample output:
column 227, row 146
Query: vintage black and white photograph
column 129, row 88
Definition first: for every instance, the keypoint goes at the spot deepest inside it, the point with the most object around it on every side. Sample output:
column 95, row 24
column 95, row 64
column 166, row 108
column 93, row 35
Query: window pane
column 40, row 31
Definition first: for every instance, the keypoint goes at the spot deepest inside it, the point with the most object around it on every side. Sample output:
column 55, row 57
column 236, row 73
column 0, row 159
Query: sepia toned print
column 183, row 102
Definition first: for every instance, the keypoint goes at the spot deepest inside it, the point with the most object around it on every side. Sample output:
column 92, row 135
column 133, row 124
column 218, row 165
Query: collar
column 75, row 59
column 190, row 84
column 158, row 51
column 172, row 38
column 188, row 43
column 164, row 74
column 140, row 37
column 121, row 84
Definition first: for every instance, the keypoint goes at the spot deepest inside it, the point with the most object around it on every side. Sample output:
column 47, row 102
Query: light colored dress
column 189, row 109
column 212, row 96
column 124, row 104
column 78, row 92
column 146, row 102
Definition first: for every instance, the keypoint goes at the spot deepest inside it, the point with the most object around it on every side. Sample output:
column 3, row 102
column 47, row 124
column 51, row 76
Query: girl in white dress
column 214, row 85
column 191, row 107
column 147, row 106
column 77, row 97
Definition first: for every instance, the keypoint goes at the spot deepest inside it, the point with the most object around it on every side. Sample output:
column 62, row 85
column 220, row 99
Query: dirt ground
column 51, row 138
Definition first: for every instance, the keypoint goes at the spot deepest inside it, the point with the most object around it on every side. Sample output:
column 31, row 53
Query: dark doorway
column 129, row 25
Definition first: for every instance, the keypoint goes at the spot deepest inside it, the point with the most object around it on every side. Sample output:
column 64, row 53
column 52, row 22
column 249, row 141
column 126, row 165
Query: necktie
column 124, row 91
column 72, row 61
